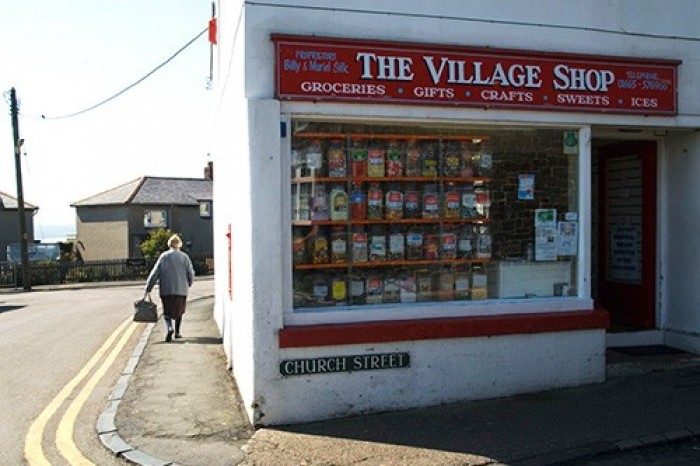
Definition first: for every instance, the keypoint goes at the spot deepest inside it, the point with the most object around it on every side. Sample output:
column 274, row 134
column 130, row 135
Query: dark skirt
column 173, row 306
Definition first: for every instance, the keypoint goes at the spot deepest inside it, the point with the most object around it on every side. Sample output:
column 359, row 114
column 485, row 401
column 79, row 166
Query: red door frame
column 630, row 304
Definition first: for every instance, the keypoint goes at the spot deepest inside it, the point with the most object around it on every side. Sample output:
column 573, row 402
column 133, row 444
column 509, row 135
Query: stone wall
column 537, row 152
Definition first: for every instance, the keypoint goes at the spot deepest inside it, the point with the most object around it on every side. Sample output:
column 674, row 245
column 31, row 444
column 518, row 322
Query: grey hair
column 174, row 242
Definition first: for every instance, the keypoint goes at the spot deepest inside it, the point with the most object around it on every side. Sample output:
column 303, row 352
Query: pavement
column 176, row 403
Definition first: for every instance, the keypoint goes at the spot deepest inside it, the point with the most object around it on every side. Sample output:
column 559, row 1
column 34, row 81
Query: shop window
column 400, row 214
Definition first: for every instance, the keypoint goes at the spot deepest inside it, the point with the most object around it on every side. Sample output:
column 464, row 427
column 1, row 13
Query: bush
column 157, row 243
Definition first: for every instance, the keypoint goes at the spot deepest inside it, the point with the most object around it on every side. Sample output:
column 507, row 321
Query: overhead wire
column 130, row 86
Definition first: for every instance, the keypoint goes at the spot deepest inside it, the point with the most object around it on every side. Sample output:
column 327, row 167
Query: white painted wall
column 251, row 185
column 681, row 295
column 442, row 371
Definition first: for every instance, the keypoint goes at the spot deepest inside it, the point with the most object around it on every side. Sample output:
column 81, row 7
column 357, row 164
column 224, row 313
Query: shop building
column 431, row 206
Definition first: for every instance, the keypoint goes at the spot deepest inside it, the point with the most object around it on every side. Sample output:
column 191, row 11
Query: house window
column 205, row 209
column 155, row 219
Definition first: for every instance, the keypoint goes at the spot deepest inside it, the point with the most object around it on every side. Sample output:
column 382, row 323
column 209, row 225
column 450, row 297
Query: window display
column 385, row 214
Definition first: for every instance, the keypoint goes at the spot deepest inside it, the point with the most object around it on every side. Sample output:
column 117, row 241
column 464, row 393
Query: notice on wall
column 545, row 234
column 567, row 238
column 624, row 261
column 526, row 187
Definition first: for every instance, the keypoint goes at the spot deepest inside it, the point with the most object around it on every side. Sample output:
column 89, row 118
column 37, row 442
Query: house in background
column 114, row 223
column 9, row 222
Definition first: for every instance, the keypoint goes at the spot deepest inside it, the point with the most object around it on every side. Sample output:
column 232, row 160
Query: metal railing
column 8, row 275
column 59, row 272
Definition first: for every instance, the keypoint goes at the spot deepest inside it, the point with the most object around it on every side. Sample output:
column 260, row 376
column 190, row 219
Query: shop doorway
column 625, row 243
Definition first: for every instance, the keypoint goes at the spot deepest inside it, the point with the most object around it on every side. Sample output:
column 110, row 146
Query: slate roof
column 8, row 202
column 153, row 190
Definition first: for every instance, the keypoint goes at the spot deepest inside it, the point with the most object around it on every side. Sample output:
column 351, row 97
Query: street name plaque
column 332, row 364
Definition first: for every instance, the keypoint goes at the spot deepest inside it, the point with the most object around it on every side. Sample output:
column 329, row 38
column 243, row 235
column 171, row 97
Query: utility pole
column 24, row 246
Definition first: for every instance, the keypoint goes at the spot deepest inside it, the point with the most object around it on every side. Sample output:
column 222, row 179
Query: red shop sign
column 311, row 68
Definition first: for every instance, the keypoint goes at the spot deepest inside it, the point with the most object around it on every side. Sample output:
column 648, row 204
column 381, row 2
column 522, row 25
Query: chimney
column 209, row 171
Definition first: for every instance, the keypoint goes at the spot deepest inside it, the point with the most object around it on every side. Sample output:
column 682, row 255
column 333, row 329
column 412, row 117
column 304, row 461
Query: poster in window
column 567, row 238
column 526, row 187
column 545, row 234
column 545, row 217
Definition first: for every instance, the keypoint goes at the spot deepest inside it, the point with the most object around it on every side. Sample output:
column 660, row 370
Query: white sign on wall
column 625, row 253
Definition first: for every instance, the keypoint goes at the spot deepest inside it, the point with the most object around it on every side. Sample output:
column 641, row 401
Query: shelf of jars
column 402, row 221
column 379, row 218
column 390, row 263
column 392, row 179
column 399, row 137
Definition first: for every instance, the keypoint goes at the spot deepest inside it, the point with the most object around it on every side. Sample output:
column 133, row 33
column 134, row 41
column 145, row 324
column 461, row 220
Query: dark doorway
column 626, row 236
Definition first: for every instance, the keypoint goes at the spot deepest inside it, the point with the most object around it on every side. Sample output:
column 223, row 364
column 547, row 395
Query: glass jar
column 392, row 288
column 431, row 202
column 467, row 208
column 339, row 203
column 375, row 204
column 314, row 159
column 377, row 244
column 466, row 242
column 357, row 288
column 461, row 284
column 446, row 285
column 298, row 163
column 319, row 203
column 482, row 200
column 358, row 203
column 448, row 244
column 431, row 245
column 424, row 285
column 451, row 201
column 408, row 288
column 375, row 160
column 483, row 243
column 479, row 289
column 414, row 243
column 358, row 164
column 339, row 245
column 467, row 164
column 429, row 160
column 301, row 196
column 397, row 244
column 413, row 159
column 374, row 288
column 299, row 255
column 337, row 167
column 451, row 159
column 318, row 246
column 483, row 160
column 394, row 203
column 394, row 159
column 339, row 290
column 360, row 250
column 412, row 204
column 320, row 288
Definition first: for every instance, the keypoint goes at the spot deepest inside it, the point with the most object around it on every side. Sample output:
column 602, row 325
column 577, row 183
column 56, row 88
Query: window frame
column 450, row 309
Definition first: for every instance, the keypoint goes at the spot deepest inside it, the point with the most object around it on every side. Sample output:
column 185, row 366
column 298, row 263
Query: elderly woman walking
column 174, row 273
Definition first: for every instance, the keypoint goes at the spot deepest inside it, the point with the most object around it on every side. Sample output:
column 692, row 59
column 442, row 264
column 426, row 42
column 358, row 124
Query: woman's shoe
column 177, row 335
column 169, row 336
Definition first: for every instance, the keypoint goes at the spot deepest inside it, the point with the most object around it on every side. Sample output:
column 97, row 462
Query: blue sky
column 66, row 55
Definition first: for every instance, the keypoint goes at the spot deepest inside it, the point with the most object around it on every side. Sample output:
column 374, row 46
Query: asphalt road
column 684, row 453
column 46, row 338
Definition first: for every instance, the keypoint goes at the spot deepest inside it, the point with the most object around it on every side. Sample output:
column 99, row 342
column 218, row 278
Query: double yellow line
column 33, row 450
